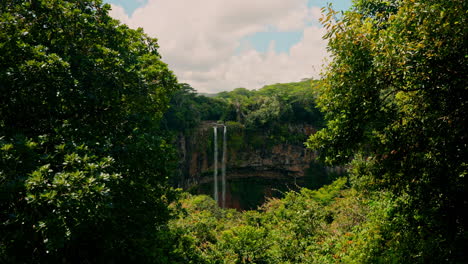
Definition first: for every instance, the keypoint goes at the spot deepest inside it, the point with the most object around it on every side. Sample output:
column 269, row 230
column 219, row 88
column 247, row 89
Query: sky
column 219, row 45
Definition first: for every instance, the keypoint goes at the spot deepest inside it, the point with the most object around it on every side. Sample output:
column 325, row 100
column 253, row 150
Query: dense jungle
column 105, row 157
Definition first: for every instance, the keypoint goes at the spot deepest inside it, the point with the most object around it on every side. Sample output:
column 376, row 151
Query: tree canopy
column 269, row 107
column 395, row 99
column 83, row 162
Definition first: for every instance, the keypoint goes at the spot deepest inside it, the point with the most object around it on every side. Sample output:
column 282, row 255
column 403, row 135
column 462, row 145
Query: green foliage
column 243, row 244
column 269, row 107
column 83, row 161
column 52, row 201
column 274, row 104
column 197, row 227
column 187, row 109
column 284, row 230
column 334, row 224
column 326, row 194
column 267, row 111
column 395, row 99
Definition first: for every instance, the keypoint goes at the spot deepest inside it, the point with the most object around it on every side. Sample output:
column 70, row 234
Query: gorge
column 251, row 167
column 261, row 151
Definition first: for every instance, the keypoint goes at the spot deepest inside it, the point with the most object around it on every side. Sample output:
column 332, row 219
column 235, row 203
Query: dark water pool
column 248, row 193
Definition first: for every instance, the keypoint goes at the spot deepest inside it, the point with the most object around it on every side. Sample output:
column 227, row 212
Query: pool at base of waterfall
column 248, row 193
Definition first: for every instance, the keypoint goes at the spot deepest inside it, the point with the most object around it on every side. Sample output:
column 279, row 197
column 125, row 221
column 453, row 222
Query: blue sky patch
column 283, row 40
column 128, row 5
column 338, row 5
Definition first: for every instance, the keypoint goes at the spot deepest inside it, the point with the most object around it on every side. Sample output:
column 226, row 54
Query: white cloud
column 199, row 40
column 252, row 69
column 118, row 12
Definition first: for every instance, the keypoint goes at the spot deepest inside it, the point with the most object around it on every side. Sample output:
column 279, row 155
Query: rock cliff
column 259, row 153
column 260, row 163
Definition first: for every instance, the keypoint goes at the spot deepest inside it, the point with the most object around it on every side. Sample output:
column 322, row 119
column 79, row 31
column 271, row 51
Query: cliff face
column 265, row 154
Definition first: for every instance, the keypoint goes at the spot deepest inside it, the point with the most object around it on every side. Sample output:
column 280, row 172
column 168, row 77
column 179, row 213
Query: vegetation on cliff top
column 267, row 108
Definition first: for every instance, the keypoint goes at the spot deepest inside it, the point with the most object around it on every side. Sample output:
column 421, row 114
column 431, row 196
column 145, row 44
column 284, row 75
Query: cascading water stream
column 223, row 170
column 215, row 164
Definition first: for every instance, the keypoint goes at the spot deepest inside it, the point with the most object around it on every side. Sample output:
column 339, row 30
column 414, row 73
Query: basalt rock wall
column 268, row 153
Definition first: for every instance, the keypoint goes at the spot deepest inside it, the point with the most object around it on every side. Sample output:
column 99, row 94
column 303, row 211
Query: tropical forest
column 106, row 157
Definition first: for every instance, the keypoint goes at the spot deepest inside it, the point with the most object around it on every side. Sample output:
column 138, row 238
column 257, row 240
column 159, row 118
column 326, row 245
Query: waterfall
column 215, row 164
column 223, row 170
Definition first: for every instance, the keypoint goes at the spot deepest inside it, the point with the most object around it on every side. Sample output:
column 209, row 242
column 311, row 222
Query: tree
column 396, row 103
column 188, row 109
column 83, row 161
